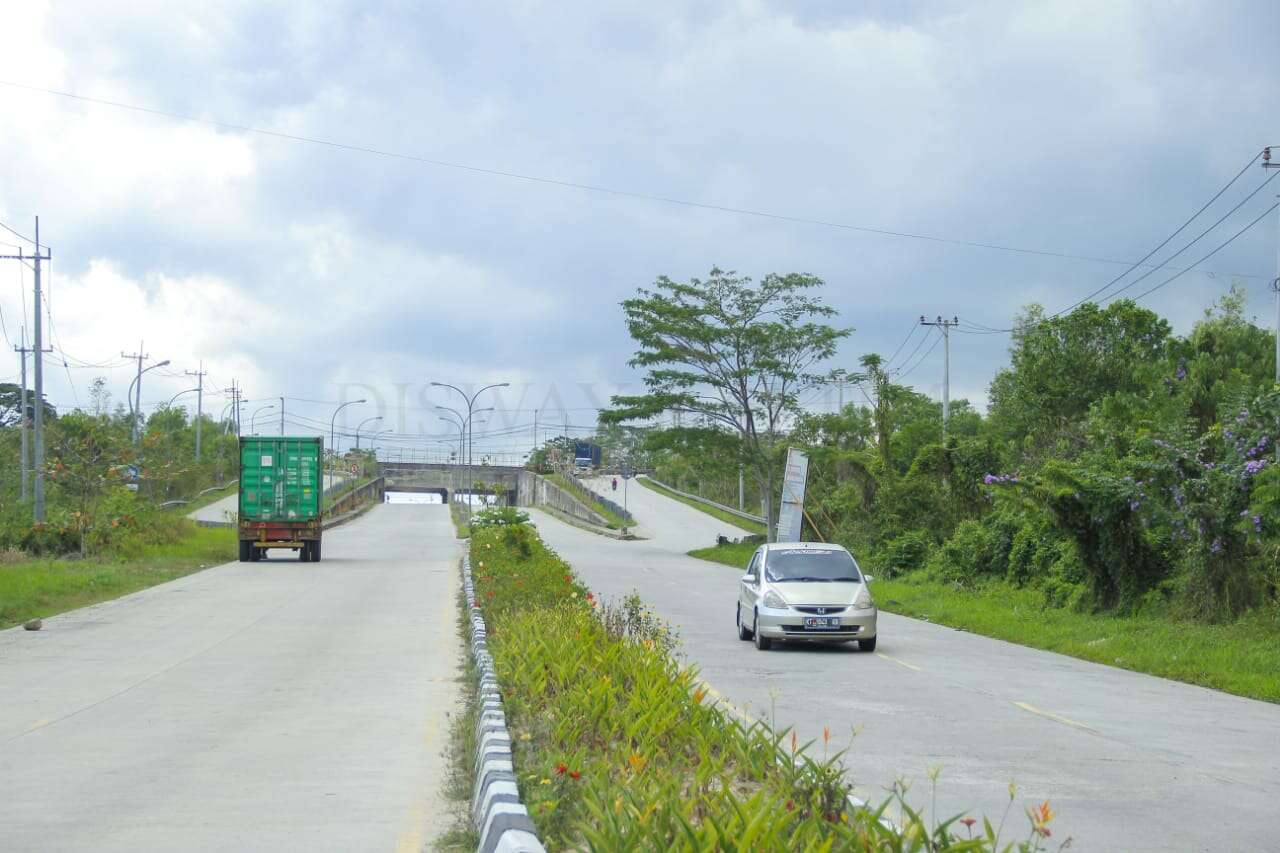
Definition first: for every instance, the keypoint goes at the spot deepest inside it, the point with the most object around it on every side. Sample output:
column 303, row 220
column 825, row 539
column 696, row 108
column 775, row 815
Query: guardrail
column 759, row 519
column 355, row 497
column 198, row 495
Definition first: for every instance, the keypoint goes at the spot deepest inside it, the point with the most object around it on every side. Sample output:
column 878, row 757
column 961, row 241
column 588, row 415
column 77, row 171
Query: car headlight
column 775, row 601
column 862, row 601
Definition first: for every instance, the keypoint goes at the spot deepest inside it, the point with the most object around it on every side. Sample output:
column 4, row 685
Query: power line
column 1198, row 238
column 922, row 342
column 904, row 374
column 910, row 333
column 1166, row 240
column 1229, row 241
column 538, row 179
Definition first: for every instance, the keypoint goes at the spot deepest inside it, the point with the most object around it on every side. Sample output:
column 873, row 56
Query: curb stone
column 496, row 810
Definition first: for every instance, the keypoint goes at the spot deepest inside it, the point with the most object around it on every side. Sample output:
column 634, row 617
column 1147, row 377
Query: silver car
column 807, row 592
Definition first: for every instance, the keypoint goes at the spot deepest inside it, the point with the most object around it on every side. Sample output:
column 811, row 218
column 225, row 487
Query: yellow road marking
column 1027, row 706
column 898, row 662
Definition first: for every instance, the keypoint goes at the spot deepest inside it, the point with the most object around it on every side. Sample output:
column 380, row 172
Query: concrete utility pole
column 23, row 407
column 282, row 415
column 199, row 375
column 37, row 510
column 135, row 407
column 945, row 326
column 1275, row 282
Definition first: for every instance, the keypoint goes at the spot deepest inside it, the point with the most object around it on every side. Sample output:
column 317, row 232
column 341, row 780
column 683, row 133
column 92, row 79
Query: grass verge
column 727, row 517
column 461, row 749
column 34, row 588
column 617, row 748
column 458, row 515
column 1241, row 658
column 612, row 519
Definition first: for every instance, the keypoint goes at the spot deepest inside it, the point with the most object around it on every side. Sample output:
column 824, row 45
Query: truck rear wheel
column 315, row 551
column 244, row 551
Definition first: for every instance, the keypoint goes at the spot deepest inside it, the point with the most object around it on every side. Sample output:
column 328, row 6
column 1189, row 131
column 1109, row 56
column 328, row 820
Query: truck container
column 281, row 493
column 586, row 455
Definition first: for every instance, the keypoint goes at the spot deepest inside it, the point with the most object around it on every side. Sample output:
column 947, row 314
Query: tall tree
column 735, row 353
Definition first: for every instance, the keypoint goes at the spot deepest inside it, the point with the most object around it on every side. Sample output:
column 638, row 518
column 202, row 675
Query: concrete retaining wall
column 536, row 490
column 502, row 820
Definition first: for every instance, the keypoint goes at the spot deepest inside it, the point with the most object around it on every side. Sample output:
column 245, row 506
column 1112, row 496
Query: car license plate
column 822, row 623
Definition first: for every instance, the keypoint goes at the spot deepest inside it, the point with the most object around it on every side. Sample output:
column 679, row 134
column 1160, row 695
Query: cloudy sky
column 1089, row 129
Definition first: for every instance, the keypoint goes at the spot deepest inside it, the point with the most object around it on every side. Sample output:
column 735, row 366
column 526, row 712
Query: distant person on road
column 615, row 484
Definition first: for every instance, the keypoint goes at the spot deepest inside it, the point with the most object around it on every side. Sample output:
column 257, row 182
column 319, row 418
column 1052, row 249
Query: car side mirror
column 868, row 578
column 748, row 578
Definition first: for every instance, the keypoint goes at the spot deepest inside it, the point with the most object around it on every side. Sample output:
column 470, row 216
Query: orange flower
column 574, row 774
column 968, row 822
column 637, row 762
column 561, row 768
column 699, row 694
column 826, row 735
column 1041, row 816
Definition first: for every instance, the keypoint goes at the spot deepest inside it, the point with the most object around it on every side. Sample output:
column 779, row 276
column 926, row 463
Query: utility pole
column 199, row 374
column 282, row 415
column 135, row 408
column 38, row 350
column 945, row 326
column 24, row 408
column 1275, row 283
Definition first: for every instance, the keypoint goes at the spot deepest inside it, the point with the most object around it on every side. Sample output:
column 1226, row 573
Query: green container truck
column 281, row 494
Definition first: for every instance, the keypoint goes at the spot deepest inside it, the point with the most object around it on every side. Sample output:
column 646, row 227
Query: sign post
column 791, row 511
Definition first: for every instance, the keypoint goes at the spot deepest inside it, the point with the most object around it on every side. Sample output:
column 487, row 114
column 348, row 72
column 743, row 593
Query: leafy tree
column 11, row 405
column 1059, row 366
column 736, row 354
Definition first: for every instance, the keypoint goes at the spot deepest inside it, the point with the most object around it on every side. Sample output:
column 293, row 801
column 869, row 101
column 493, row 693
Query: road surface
column 269, row 706
column 1130, row 762
column 224, row 509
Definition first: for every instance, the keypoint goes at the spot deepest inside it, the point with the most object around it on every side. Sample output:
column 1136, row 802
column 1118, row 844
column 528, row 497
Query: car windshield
column 816, row 565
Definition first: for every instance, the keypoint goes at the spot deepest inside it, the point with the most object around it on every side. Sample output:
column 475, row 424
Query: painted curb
column 496, row 810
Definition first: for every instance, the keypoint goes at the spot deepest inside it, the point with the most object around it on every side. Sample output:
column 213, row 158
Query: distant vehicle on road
column 586, row 457
column 281, row 489
column 805, row 592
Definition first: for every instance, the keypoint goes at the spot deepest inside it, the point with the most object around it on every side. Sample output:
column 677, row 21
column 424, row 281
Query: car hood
column 840, row 594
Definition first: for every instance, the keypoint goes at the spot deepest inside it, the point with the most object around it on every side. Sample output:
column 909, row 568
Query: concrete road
column 266, row 706
column 1130, row 762
column 225, row 509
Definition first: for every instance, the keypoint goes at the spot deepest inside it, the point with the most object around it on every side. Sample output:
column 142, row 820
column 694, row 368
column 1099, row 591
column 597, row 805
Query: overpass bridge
column 516, row 486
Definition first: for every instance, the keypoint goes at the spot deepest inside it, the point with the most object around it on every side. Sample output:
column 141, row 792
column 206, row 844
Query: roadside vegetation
column 35, row 587
column 1122, row 475
column 461, row 748
column 617, row 747
column 752, row 527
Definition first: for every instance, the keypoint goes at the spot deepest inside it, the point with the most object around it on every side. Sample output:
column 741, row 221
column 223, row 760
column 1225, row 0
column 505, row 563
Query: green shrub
column 905, row 553
column 965, row 557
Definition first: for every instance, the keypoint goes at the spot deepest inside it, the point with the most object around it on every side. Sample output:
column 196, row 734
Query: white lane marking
column 1027, row 706
column 898, row 662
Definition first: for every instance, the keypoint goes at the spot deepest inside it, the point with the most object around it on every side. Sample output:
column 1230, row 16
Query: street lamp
column 471, row 401
column 179, row 394
column 252, row 420
column 333, row 448
column 137, row 409
column 361, row 424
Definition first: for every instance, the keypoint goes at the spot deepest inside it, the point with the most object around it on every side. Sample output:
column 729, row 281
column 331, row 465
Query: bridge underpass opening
column 392, row 496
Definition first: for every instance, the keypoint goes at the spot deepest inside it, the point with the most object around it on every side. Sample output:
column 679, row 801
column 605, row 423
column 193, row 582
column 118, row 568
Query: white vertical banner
column 791, row 511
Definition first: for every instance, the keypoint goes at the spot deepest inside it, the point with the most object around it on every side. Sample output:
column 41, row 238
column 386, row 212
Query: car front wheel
column 743, row 633
column 867, row 645
column 763, row 643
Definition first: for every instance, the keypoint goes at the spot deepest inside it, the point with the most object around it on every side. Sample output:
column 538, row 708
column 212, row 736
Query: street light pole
column 137, row 412
column 333, row 448
column 471, row 400
column 361, row 424
column 253, row 420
